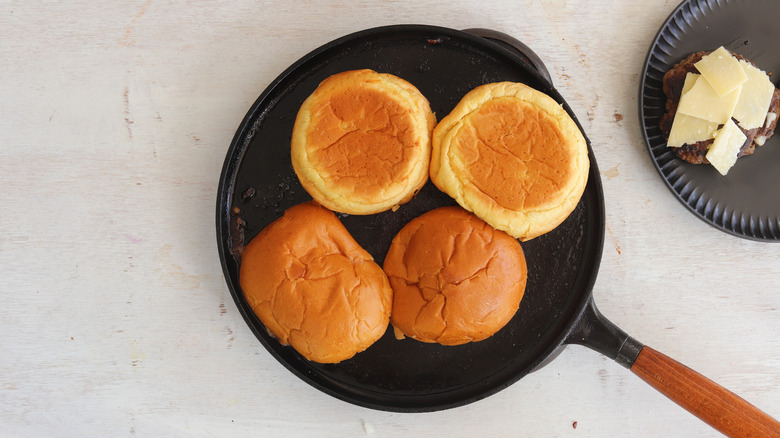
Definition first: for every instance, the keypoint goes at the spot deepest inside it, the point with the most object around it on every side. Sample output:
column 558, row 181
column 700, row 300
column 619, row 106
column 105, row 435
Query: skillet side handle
column 529, row 55
column 712, row 403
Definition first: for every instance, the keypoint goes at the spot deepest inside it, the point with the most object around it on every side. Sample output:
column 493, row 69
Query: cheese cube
column 722, row 71
column 703, row 102
column 754, row 100
column 723, row 151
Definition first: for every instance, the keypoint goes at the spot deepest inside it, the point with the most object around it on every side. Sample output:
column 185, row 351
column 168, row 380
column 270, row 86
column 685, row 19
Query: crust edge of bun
column 472, row 309
column 264, row 271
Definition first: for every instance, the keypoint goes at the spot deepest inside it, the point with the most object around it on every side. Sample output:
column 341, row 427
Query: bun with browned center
column 314, row 287
column 361, row 143
column 513, row 156
column 455, row 278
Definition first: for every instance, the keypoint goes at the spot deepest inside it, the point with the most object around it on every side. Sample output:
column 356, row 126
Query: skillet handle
column 712, row 403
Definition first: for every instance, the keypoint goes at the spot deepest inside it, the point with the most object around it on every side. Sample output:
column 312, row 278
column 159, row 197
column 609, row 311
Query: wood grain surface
column 115, row 119
column 715, row 405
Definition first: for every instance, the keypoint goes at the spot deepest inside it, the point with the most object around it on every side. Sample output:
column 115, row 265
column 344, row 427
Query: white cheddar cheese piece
column 690, row 79
column 770, row 117
column 703, row 102
column 754, row 100
column 689, row 130
column 724, row 150
column 722, row 71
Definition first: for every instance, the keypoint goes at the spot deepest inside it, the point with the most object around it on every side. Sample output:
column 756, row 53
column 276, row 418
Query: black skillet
column 257, row 184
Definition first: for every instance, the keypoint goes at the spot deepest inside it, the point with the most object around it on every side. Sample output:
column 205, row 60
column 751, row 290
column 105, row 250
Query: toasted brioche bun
column 513, row 156
column 314, row 287
column 455, row 278
column 361, row 143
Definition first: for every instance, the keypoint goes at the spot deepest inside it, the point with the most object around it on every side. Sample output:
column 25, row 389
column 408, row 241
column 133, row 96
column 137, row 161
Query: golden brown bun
column 314, row 287
column 455, row 278
column 513, row 156
column 361, row 143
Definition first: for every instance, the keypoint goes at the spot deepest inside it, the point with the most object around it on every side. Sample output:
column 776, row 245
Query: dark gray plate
column 746, row 202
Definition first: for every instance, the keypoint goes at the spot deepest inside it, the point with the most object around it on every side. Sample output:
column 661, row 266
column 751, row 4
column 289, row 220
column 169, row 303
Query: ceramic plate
column 746, row 202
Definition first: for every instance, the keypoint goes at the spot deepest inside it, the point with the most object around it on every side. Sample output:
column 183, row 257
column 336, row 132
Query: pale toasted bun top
column 455, row 278
column 513, row 156
column 314, row 287
column 361, row 143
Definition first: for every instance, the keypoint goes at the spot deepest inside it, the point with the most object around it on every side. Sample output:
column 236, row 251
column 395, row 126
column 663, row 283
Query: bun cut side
column 313, row 287
column 512, row 156
column 361, row 143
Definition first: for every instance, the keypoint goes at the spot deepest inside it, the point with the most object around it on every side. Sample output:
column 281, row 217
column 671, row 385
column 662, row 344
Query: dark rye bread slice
column 695, row 153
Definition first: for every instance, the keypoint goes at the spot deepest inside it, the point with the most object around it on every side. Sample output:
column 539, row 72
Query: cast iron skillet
column 257, row 184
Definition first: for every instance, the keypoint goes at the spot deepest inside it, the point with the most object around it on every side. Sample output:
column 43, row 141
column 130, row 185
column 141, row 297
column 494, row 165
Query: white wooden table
column 116, row 320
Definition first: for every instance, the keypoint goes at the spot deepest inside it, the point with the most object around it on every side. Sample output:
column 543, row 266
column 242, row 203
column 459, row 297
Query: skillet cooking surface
column 258, row 184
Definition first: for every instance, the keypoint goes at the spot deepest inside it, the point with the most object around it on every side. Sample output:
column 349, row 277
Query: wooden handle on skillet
column 712, row 403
